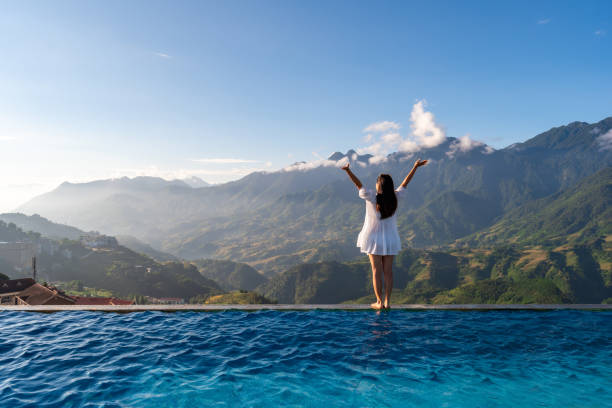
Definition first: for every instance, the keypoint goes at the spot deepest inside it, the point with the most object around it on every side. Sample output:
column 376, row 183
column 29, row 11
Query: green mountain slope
column 325, row 282
column 230, row 275
column 123, row 272
column 581, row 213
column 276, row 220
column 579, row 274
column 117, row 269
column 238, row 298
column 137, row 245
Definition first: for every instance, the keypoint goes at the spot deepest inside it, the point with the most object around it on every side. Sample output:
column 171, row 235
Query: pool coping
column 296, row 307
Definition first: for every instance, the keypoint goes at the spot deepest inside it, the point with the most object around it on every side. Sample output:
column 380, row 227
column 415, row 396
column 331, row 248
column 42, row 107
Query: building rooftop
column 41, row 295
column 15, row 285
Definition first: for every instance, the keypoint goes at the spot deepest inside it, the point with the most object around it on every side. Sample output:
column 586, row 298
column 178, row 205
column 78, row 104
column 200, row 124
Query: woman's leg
column 387, row 261
column 377, row 272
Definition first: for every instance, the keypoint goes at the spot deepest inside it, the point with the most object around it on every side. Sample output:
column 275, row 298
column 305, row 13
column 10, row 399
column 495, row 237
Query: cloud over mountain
column 605, row 141
column 384, row 137
column 465, row 143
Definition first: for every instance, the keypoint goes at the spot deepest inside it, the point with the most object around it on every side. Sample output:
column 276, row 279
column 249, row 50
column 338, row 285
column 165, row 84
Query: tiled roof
column 39, row 295
column 15, row 285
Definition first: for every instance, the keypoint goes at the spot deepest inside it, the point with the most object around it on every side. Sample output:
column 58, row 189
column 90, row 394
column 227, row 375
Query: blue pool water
column 315, row 358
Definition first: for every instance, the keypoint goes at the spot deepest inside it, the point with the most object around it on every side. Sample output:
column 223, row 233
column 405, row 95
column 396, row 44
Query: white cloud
column 375, row 148
column 424, row 126
column 605, row 141
column 383, row 126
column 544, row 21
column 595, row 131
column 406, row 157
column 342, row 162
column 465, row 143
column 225, row 161
column 377, row 159
column 425, row 134
column 391, row 138
column 600, row 33
column 314, row 164
column 408, row 146
column 383, row 139
column 162, row 55
column 7, row 138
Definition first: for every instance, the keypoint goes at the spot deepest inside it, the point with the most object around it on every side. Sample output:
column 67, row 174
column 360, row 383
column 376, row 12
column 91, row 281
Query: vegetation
column 76, row 288
column 276, row 220
column 137, row 245
column 528, row 223
column 230, row 275
column 117, row 271
column 240, row 297
column 502, row 275
column 504, row 290
column 10, row 232
column 577, row 215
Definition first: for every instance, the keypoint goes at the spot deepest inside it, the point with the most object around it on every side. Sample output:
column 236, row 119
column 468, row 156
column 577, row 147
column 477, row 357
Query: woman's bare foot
column 376, row 305
column 387, row 304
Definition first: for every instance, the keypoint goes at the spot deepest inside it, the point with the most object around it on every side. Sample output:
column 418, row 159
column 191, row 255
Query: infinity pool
column 307, row 358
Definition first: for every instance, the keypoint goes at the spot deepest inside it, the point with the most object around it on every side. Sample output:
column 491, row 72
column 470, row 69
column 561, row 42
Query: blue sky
column 218, row 89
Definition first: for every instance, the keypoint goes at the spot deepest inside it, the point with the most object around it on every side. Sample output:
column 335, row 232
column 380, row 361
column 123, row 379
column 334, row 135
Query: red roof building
column 27, row 292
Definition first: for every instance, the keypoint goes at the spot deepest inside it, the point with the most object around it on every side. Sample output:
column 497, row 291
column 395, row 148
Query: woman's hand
column 352, row 176
column 420, row 163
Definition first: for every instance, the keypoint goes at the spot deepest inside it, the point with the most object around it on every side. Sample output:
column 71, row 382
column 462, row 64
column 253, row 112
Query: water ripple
column 336, row 358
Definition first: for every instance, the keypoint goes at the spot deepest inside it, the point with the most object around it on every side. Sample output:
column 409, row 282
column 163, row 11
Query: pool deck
column 216, row 308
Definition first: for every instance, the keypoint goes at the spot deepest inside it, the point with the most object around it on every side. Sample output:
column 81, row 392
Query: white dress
column 378, row 236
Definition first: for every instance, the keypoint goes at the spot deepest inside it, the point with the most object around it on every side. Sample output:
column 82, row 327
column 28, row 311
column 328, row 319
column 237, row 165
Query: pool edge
column 297, row 307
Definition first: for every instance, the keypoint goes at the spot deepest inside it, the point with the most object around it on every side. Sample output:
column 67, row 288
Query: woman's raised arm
column 417, row 164
column 352, row 176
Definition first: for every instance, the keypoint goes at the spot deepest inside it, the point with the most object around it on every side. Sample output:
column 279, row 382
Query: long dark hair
column 386, row 202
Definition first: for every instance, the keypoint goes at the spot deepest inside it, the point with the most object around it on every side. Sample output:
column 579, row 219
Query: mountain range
column 311, row 213
column 527, row 223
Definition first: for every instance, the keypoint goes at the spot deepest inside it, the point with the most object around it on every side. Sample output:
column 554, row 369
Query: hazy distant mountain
column 41, row 225
column 274, row 220
column 137, row 245
column 195, row 182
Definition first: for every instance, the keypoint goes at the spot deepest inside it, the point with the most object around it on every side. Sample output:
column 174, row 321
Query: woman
column 379, row 237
